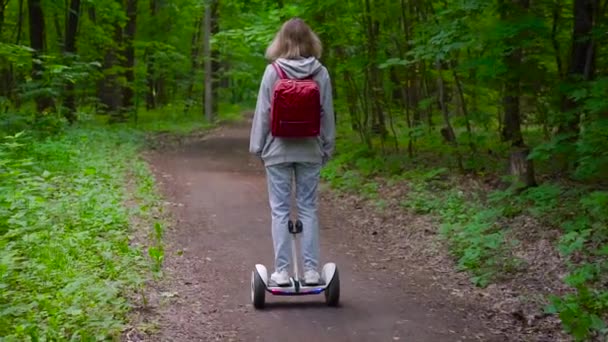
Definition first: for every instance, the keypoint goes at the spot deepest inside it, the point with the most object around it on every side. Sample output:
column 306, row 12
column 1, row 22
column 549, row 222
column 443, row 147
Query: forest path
column 222, row 228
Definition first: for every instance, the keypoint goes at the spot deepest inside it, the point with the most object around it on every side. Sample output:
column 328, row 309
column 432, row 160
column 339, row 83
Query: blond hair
column 295, row 39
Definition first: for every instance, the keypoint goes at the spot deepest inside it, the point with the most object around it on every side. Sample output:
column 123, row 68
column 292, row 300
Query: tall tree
column 582, row 60
column 3, row 4
column 511, row 128
column 5, row 76
column 151, row 81
column 520, row 166
column 194, row 59
column 70, row 49
column 208, row 93
column 109, row 87
column 216, row 64
column 373, row 73
column 37, row 41
column 129, row 55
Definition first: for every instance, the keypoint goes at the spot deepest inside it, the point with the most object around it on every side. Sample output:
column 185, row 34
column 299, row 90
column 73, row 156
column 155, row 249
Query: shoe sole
column 273, row 282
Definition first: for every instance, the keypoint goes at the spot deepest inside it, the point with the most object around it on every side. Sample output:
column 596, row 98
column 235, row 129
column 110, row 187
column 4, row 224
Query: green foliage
column 65, row 257
column 171, row 119
column 593, row 160
column 149, row 208
column 472, row 232
column 584, row 243
column 389, row 61
column 581, row 313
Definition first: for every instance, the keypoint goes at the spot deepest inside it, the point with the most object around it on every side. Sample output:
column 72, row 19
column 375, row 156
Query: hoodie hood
column 299, row 68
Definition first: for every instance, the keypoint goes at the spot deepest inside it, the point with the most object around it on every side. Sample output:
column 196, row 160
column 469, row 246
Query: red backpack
column 295, row 110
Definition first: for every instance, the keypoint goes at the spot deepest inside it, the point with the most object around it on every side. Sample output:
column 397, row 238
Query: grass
column 172, row 119
column 65, row 258
column 69, row 268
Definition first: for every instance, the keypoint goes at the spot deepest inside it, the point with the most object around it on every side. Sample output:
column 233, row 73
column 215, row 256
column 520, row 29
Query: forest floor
column 403, row 289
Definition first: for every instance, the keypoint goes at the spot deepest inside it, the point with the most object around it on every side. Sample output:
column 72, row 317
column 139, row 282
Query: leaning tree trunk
column 37, row 38
column 448, row 131
column 70, row 49
column 463, row 106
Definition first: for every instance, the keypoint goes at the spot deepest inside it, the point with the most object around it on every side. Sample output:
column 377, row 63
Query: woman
column 296, row 49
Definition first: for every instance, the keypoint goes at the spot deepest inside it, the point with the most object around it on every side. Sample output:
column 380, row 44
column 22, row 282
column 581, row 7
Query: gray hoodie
column 273, row 150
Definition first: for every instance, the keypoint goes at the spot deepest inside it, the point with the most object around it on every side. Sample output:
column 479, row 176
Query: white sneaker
column 280, row 278
column 312, row 277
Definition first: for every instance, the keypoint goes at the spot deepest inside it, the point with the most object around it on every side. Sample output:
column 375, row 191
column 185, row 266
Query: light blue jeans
column 279, row 178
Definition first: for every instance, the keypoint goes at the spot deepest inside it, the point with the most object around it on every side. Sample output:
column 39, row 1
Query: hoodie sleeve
column 261, row 118
column 328, row 123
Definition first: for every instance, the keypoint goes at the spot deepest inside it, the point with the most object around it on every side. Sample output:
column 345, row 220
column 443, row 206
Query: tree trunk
column 351, row 98
column 582, row 60
column 557, row 9
column 408, row 96
column 195, row 63
column 91, row 13
column 448, row 131
column 3, row 4
column 154, row 6
column 150, row 79
column 11, row 82
column 59, row 31
column 5, row 74
column 110, row 94
column 463, row 104
column 521, row 168
column 37, row 39
column 208, row 93
column 511, row 131
column 129, row 56
column 375, row 83
column 70, row 49
column 425, row 88
column 511, row 127
column 19, row 23
column 152, row 91
column 449, row 134
column 216, row 65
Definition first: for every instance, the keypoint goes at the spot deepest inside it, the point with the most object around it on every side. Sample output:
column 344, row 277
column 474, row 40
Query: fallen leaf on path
column 169, row 294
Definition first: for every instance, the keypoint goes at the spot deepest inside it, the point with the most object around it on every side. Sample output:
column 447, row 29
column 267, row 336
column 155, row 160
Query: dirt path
column 219, row 201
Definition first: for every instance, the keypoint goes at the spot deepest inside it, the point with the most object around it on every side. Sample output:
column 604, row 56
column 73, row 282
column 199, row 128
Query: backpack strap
column 279, row 71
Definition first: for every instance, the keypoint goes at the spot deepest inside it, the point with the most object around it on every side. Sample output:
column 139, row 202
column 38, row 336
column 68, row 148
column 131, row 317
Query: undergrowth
column 471, row 231
column 472, row 221
column 174, row 120
column 66, row 263
column 470, row 228
column 71, row 202
column 149, row 210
